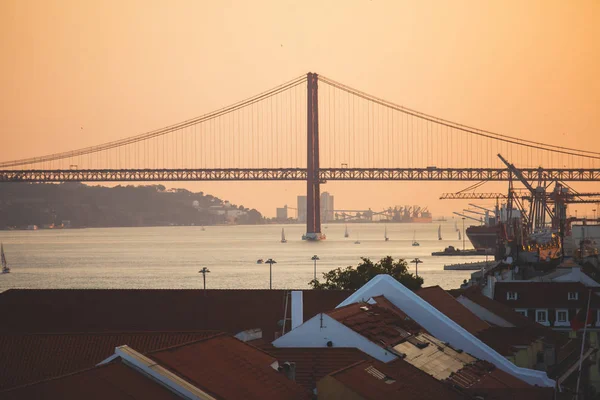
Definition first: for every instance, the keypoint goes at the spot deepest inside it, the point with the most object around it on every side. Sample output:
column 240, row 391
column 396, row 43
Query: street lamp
column 315, row 258
column 463, row 218
column 204, row 271
column 270, row 261
column 416, row 261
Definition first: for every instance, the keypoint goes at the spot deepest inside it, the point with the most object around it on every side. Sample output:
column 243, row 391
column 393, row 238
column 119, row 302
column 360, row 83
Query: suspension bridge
column 311, row 129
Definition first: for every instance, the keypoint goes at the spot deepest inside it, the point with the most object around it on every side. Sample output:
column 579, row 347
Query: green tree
column 352, row 278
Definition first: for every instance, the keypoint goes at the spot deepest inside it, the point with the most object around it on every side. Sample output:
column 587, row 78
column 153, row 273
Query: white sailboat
column 5, row 268
column 385, row 234
column 439, row 232
column 283, row 239
column 414, row 242
column 346, row 234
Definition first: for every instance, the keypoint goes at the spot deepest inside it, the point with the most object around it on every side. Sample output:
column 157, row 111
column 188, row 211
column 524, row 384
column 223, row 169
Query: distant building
column 301, row 208
column 326, row 207
column 282, row 213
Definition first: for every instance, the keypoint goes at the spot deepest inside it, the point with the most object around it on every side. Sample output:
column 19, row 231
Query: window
column 521, row 311
column 573, row 296
column 562, row 318
column 511, row 295
column 541, row 316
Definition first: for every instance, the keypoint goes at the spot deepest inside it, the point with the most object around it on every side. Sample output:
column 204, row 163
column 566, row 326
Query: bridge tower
column 313, row 195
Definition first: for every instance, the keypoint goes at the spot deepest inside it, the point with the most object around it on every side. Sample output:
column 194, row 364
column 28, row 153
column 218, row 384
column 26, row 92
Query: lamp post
column 463, row 218
column 416, row 261
column 204, row 271
column 315, row 258
column 270, row 261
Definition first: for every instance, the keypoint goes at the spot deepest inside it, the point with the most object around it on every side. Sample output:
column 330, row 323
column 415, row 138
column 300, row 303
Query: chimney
column 289, row 369
column 297, row 309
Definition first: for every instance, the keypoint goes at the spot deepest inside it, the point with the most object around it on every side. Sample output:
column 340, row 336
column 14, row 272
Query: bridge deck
column 294, row 174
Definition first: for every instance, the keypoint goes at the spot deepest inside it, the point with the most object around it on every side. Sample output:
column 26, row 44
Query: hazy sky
column 119, row 68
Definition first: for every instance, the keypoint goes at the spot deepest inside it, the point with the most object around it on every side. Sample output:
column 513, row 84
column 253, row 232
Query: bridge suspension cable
column 159, row 132
column 461, row 127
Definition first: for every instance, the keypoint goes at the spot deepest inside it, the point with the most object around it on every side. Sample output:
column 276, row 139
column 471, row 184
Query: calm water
column 170, row 257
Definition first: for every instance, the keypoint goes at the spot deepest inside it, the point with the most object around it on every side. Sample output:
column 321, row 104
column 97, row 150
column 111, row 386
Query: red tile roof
column 312, row 364
column 544, row 294
column 113, row 381
column 381, row 323
column 86, row 310
column 228, row 368
column 397, row 379
column 28, row 358
column 504, row 340
column 450, row 307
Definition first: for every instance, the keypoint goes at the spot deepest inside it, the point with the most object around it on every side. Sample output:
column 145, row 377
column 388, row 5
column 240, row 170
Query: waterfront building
column 302, row 209
column 282, row 214
column 327, row 210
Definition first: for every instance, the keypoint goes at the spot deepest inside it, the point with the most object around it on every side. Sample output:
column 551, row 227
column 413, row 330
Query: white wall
column 316, row 333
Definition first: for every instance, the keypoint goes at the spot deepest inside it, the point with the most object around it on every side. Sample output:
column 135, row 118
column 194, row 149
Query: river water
column 170, row 257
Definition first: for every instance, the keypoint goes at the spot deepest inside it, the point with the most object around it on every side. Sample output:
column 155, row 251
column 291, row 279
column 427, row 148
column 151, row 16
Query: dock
column 471, row 266
column 468, row 252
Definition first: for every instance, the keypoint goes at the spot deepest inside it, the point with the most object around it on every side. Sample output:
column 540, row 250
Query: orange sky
column 527, row 69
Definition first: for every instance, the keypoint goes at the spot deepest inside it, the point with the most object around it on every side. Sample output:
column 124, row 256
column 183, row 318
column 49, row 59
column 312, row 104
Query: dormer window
column 511, row 295
column 573, row 295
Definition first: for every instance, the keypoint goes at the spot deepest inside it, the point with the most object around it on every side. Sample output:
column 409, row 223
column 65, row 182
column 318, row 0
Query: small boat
column 283, row 239
column 439, row 232
column 385, row 236
column 346, row 234
column 459, row 238
column 5, row 268
column 203, row 229
column 456, row 227
column 260, row 261
column 357, row 240
column 414, row 242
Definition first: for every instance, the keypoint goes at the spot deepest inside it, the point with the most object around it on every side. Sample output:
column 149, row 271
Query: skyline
column 73, row 80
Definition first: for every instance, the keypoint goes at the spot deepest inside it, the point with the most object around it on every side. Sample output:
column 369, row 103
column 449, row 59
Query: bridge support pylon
column 313, row 193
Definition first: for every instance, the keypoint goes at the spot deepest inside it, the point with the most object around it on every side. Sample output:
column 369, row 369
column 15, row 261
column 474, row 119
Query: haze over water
column 170, row 257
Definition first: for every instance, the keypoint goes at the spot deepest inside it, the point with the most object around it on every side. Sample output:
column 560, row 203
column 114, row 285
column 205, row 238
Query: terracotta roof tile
column 228, row 368
column 482, row 378
column 397, row 379
column 312, row 364
column 381, row 323
column 28, row 358
column 450, row 307
column 84, row 310
column 504, row 340
column 112, row 381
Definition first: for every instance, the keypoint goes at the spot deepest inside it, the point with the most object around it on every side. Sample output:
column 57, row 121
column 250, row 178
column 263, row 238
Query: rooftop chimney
column 297, row 309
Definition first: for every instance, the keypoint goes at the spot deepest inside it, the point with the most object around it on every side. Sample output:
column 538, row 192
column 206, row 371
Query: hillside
column 23, row 204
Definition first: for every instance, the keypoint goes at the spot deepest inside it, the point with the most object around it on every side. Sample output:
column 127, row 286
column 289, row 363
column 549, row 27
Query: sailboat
column 346, row 234
column 385, row 234
column 439, row 232
column 415, row 243
column 459, row 235
column 357, row 240
column 5, row 269
column 283, row 239
column 456, row 227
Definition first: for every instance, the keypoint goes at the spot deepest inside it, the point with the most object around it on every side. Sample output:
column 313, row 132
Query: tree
column 352, row 278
